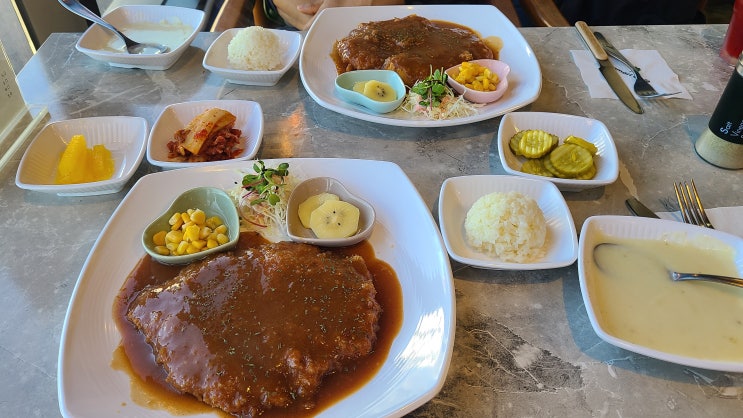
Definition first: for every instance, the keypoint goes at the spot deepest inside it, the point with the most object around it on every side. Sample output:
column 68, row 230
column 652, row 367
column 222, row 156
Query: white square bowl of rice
column 459, row 194
column 268, row 54
column 606, row 159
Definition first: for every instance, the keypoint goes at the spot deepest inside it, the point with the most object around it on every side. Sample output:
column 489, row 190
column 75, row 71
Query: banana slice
column 379, row 91
column 311, row 203
column 335, row 219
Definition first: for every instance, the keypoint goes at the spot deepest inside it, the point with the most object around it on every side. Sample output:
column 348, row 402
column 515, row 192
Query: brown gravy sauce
column 443, row 47
column 149, row 387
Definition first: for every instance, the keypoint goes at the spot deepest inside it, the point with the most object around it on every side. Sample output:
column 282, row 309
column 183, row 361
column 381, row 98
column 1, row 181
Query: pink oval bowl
column 475, row 96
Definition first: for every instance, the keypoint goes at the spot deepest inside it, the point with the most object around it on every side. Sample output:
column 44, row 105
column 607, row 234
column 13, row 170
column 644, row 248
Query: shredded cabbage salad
column 433, row 98
column 262, row 199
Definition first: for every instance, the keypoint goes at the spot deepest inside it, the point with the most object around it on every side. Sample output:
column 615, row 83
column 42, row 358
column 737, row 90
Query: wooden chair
column 544, row 13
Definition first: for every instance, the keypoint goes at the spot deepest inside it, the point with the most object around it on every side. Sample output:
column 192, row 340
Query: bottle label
column 727, row 119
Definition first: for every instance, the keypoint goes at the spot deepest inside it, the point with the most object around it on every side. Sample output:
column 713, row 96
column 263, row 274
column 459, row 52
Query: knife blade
column 638, row 209
column 607, row 69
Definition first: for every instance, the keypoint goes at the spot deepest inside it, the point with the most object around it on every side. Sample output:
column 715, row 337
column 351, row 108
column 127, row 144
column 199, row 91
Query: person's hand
column 301, row 13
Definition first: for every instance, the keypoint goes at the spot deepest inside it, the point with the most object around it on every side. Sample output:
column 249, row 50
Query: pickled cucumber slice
column 513, row 143
column 535, row 166
column 547, row 163
column 590, row 146
column 588, row 175
column 536, row 143
column 571, row 160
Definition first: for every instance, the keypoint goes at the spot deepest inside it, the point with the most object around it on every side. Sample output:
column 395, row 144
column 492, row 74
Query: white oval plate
column 318, row 70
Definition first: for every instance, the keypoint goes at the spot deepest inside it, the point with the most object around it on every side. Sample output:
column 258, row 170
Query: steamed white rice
column 255, row 48
column 509, row 226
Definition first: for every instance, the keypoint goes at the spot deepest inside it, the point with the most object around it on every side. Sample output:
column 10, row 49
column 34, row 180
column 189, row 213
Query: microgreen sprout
column 265, row 183
column 432, row 88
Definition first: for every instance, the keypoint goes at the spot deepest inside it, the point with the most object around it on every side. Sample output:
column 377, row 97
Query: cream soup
column 171, row 33
column 636, row 300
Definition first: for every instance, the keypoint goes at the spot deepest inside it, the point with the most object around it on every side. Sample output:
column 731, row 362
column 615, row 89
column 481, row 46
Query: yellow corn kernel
column 204, row 232
column 185, row 217
column 191, row 233
column 221, row 229
column 214, row 222
column 186, row 225
column 212, row 243
column 174, row 236
column 198, row 217
column 222, row 239
column 172, row 247
column 159, row 238
column 182, row 247
column 162, row 250
column 198, row 244
column 173, row 219
column 177, row 222
column 191, row 249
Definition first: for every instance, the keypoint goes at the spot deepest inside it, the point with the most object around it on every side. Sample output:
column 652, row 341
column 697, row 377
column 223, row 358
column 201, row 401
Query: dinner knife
column 607, row 69
column 638, row 209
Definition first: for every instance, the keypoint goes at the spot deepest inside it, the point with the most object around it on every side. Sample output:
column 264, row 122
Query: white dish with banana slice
column 322, row 211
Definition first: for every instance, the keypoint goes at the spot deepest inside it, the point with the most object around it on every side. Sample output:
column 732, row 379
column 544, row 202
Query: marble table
column 524, row 345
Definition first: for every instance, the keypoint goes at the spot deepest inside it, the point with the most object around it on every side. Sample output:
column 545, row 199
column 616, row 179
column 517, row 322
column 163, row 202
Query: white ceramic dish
column 459, row 193
column 407, row 240
column 592, row 130
column 318, row 70
column 646, row 228
column 475, row 96
column 99, row 43
column 176, row 116
column 216, row 60
column 124, row 136
column 316, row 185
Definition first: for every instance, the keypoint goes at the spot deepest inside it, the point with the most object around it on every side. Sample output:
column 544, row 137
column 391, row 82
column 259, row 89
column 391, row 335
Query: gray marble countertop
column 524, row 345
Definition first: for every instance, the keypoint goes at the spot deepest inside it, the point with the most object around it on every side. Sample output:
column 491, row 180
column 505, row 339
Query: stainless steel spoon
column 674, row 275
column 132, row 47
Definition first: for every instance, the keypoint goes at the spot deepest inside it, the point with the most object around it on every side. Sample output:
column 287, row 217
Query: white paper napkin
column 724, row 219
column 652, row 65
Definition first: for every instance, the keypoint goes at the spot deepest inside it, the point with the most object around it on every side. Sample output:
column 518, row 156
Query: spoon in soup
column 132, row 47
column 607, row 253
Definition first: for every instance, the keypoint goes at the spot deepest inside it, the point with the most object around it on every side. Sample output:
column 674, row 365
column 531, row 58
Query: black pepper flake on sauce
column 145, row 372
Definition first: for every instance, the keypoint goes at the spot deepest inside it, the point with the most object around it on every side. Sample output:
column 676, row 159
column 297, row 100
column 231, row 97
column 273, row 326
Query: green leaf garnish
column 265, row 183
column 432, row 89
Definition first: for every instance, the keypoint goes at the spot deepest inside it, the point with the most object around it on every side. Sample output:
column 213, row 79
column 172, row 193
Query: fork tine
column 683, row 205
column 690, row 204
column 702, row 212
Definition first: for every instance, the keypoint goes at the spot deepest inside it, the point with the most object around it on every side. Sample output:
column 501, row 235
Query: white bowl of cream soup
column 174, row 27
column 632, row 302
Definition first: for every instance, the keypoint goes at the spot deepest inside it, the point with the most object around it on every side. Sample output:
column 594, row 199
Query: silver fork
column 692, row 210
column 642, row 87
